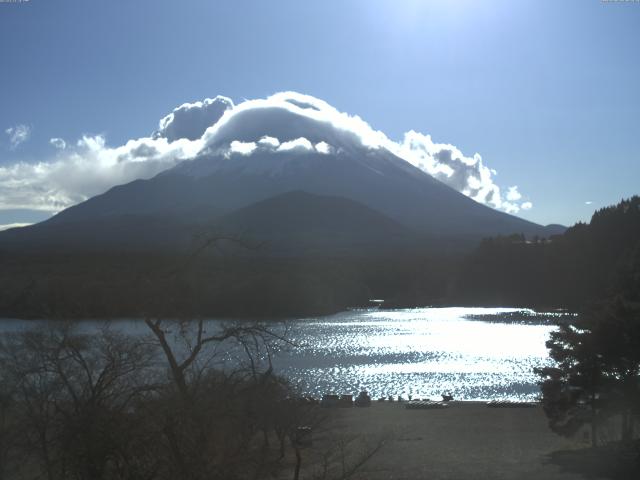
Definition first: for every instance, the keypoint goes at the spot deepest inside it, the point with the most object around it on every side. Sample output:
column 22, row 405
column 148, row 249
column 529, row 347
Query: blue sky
column 546, row 91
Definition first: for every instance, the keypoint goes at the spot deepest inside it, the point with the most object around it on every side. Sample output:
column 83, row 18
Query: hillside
column 588, row 262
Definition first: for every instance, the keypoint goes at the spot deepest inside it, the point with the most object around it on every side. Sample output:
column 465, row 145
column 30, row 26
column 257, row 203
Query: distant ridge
column 300, row 222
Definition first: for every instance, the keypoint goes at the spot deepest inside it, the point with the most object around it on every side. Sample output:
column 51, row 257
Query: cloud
column 13, row 225
column 324, row 148
column 448, row 164
column 291, row 117
column 190, row 120
column 58, row 143
column 243, row 148
column 467, row 174
column 18, row 135
column 286, row 124
column 269, row 142
column 298, row 145
column 86, row 169
column 513, row 194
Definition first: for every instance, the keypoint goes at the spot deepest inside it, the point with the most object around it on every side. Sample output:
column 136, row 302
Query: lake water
column 416, row 352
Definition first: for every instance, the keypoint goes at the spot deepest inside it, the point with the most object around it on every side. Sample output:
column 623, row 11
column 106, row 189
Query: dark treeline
column 565, row 271
column 126, row 285
column 593, row 385
column 586, row 263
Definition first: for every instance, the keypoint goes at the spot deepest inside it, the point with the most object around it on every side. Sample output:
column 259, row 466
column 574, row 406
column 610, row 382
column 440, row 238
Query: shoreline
column 541, row 311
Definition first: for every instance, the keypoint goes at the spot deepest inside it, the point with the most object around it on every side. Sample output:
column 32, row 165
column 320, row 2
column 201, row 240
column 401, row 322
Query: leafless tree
column 73, row 397
column 193, row 399
column 222, row 394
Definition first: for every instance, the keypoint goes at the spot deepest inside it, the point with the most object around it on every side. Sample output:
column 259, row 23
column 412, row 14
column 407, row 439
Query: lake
column 471, row 353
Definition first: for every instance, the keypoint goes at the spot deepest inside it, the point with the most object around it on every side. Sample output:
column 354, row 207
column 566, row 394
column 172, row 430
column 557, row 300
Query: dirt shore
column 467, row 440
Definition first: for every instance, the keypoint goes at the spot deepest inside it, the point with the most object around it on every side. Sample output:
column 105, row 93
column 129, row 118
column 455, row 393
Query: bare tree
column 192, row 400
column 73, row 396
column 222, row 393
column 7, row 426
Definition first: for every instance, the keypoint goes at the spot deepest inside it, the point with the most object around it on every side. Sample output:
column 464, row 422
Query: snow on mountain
column 207, row 132
column 289, row 142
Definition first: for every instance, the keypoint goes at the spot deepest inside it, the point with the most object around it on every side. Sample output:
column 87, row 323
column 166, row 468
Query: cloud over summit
column 286, row 123
column 290, row 116
column 190, row 120
column 293, row 117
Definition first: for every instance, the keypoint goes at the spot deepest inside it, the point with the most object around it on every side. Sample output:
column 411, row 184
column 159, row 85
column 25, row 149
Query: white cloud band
column 285, row 122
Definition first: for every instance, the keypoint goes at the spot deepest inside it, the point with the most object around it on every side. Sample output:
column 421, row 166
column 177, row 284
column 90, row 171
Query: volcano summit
column 212, row 163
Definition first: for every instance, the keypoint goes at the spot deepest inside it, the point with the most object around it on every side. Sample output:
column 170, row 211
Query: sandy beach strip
column 466, row 440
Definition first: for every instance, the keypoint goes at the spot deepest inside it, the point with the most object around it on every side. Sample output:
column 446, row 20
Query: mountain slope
column 112, row 233
column 293, row 223
column 377, row 179
column 299, row 222
column 291, row 142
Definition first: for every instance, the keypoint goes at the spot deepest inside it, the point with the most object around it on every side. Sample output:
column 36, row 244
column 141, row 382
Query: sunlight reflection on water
column 418, row 352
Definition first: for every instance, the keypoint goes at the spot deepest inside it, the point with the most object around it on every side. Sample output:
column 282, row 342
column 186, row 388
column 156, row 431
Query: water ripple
column 418, row 352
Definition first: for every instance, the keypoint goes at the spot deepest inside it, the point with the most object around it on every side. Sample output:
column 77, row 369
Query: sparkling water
column 470, row 353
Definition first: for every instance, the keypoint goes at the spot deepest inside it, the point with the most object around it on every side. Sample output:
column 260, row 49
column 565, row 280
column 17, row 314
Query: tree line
column 565, row 271
column 589, row 261
column 595, row 380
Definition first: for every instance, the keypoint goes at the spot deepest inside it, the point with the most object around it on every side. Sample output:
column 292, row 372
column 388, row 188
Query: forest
column 586, row 263
column 564, row 271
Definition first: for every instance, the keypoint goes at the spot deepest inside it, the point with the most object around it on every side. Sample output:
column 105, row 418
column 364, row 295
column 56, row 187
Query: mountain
column 303, row 223
column 213, row 186
column 293, row 223
column 333, row 211
column 263, row 149
column 113, row 233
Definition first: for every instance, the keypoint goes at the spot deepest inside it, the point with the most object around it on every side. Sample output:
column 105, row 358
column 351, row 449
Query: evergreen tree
column 597, row 374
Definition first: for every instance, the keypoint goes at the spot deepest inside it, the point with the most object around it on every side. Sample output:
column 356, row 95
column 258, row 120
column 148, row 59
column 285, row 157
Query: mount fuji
column 290, row 170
